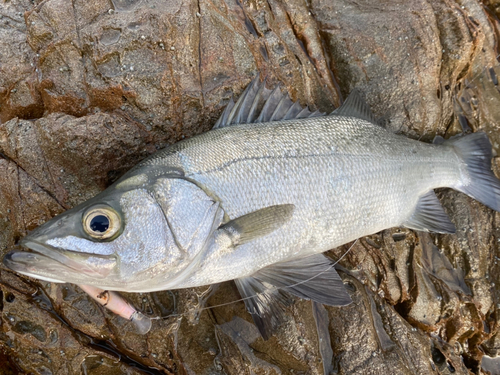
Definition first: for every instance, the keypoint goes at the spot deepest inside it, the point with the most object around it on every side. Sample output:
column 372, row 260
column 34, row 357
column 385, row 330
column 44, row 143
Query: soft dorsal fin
column 355, row 106
column 259, row 104
column 429, row 216
column 313, row 277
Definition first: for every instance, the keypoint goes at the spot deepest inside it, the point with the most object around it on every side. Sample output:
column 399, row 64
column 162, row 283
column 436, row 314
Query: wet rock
column 234, row 338
column 89, row 88
column 55, row 151
column 19, row 95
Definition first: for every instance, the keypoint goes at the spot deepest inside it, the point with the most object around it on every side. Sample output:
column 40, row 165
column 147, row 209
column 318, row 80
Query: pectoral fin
column 257, row 224
column 429, row 216
column 311, row 278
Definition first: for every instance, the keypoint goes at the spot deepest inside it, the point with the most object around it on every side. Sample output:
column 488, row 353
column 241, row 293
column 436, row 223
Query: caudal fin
column 475, row 151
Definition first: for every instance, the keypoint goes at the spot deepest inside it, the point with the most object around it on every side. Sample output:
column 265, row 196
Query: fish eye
column 101, row 222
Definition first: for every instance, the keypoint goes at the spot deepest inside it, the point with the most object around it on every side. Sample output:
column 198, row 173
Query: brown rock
column 89, row 88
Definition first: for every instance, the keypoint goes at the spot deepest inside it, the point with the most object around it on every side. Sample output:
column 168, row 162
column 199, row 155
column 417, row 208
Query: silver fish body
column 346, row 177
column 258, row 203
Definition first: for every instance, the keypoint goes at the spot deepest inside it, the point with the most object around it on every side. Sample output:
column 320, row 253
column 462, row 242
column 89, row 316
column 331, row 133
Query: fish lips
column 48, row 263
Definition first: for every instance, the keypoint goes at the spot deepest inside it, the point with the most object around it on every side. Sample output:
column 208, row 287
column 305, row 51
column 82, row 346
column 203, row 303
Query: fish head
column 141, row 234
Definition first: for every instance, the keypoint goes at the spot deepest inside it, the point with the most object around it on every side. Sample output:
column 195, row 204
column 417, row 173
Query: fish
column 258, row 200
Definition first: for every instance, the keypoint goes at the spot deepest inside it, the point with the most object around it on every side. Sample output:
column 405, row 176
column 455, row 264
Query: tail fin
column 475, row 151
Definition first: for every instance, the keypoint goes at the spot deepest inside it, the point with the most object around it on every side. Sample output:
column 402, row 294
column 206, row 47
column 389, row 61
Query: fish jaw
column 51, row 264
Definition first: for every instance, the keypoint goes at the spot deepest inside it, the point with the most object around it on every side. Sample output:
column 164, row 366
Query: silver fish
column 258, row 200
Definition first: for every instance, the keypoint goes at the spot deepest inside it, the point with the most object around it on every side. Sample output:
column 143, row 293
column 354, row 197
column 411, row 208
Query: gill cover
column 189, row 212
column 191, row 216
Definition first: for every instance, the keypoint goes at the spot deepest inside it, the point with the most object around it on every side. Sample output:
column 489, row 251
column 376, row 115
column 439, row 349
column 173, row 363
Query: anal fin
column 429, row 216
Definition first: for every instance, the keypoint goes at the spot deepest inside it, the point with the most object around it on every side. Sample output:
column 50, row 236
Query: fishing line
column 261, row 293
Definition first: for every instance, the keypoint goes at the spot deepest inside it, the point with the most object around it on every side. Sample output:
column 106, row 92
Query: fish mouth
column 52, row 264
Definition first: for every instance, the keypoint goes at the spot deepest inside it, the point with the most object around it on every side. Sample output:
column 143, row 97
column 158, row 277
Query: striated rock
column 90, row 87
column 19, row 95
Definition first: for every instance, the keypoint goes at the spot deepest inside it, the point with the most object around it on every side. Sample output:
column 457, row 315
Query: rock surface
column 90, row 87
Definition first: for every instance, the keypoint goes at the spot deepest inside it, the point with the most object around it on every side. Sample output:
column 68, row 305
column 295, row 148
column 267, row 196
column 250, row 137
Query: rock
column 89, row 88
column 19, row 96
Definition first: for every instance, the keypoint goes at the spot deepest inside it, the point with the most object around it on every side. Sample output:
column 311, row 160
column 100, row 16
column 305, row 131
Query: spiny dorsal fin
column 259, row 104
column 429, row 216
column 355, row 106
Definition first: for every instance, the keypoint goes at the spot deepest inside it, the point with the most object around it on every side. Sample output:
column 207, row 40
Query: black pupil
column 99, row 223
